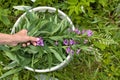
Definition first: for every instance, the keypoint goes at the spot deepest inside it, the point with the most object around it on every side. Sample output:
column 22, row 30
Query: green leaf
column 31, row 49
column 50, row 59
column 43, row 32
column 55, row 38
column 64, row 25
column 56, row 55
column 32, row 16
column 32, row 26
column 12, row 56
column 10, row 72
column 100, row 45
column 27, row 22
column 57, row 28
column 10, row 65
column 71, row 11
column 103, row 2
column 15, row 77
column 2, row 47
column 5, row 20
column 77, row 9
column 16, row 48
column 39, row 25
column 72, row 2
column 61, row 51
column 23, row 60
column 56, row 19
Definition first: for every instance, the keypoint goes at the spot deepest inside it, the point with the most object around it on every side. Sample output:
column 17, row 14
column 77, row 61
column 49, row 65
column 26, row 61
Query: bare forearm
column 19, row 37
column 5, row 38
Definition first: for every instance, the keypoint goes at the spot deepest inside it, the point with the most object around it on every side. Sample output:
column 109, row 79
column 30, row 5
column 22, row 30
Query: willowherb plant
column 56, row 41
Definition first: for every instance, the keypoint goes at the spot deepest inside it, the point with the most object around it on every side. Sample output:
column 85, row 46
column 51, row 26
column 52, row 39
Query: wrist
column 5, row 38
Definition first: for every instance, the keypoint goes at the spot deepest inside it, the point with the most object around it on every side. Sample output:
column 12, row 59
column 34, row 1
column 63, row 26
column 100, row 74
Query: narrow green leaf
column 12, row 56
column 60, row 27
column 10, row 65
column 16, row 48
column 56, row 55
column 2, row 47
column 39, row 25
column 50, row 59
column 61, row 51
column 15, row 77
column 56, row 38
column 32, row 26
column 42, row 32
column 56, row 29
column 56, row 19
column 10, row 72
column 27, row 22
column 4, row 19
column 23, row 59
column 100, row 45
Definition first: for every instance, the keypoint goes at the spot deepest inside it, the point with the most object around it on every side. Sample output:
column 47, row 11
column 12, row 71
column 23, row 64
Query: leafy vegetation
column 101, row 16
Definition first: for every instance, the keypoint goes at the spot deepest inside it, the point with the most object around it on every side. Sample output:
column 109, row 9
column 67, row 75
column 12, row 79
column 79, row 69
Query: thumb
column 33, row 38
column 22, row 32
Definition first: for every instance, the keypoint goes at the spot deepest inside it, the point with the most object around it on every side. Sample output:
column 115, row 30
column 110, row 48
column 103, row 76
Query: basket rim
column 50, row 9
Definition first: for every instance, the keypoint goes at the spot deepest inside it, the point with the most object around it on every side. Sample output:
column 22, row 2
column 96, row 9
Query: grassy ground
column 102, row 16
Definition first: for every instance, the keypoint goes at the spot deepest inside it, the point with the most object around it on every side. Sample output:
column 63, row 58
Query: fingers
column 24, row 45
column 34, row 43
column 28, row 43
column 27, row 39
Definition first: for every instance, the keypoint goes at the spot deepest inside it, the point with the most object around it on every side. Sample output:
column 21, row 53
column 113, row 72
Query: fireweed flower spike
column 68, row 49
column 83, row 31
column 40, row 42
column 77, row 31
column 72, row 42
column 66, row 42
column 89, row 33
column 71, row 51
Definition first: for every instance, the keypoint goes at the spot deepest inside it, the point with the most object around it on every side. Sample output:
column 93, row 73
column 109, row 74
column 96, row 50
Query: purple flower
column 40, row 42
column 83, row 31
column 77, row 31
column 78, row 51
column 71, row 51
column 89, row 33
column 66, row 42
column 72, row 42
column 68, row 49
column 85, row 41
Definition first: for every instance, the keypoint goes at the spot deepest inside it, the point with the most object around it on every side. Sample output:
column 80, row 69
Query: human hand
column 22, row 37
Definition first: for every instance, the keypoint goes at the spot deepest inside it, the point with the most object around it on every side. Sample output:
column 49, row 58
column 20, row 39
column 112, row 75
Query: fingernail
column 35, row 44
column 24, row 45
column 28, row 44
column 38, row 39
